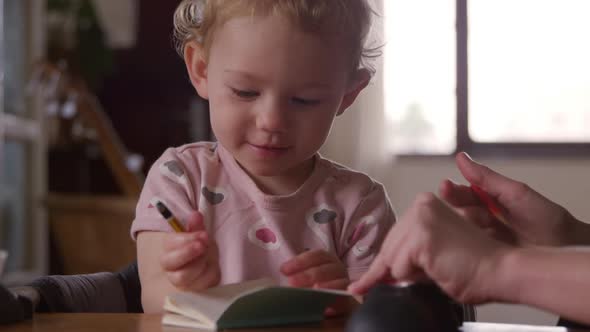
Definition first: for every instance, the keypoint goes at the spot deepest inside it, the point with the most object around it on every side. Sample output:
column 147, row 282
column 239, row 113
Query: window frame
column 464, row 141
column 27, row 128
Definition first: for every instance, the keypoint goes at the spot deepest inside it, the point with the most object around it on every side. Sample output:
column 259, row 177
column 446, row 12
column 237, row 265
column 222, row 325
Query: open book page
column 495, row 327
column 208, row 306
column 182, row 321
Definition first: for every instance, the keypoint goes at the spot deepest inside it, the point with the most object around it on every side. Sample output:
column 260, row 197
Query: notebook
column 257, row 303
column 496, row 327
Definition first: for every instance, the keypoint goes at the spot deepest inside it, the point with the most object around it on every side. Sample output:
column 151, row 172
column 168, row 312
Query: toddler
column 276, row 73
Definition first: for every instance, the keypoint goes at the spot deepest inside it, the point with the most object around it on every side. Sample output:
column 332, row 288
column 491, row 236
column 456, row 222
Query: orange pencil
column 485, row 198
column 174, row 223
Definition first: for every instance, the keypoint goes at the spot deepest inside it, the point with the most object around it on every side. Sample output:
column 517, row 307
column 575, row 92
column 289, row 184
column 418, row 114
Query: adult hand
column 190, row 259
column 532, row 218
column 431, row 241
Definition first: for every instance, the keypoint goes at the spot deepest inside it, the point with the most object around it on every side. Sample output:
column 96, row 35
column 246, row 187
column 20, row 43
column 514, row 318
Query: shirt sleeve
column 364, row 232
column 170, row 182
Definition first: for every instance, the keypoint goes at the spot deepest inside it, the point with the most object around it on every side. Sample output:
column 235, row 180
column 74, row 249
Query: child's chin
column 265, row 172
column 263, row 168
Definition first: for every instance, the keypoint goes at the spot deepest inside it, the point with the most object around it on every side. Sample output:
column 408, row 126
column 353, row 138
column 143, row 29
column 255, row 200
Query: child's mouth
column 269, row 150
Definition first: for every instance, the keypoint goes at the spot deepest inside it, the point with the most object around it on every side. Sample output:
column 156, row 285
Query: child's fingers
column 305, row 261
column 176, row 259
column 334, row 284
column 187, row 276
column 318, row 274
column 210, row 277
column 203, row 237
column 174, row 241
column 195, row 222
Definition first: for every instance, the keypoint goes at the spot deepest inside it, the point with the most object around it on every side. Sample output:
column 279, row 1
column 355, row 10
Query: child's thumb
column 195, row 222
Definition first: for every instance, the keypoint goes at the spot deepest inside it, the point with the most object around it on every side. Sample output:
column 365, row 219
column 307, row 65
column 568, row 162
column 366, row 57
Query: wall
column 566, row 181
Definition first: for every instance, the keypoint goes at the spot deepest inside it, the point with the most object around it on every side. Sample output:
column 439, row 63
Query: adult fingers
column 377, row 272
column 457, row 195
column 478, row 215
column 494, row 183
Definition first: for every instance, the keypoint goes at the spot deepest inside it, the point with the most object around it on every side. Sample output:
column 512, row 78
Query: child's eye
column 245, row 93
column 305, row 102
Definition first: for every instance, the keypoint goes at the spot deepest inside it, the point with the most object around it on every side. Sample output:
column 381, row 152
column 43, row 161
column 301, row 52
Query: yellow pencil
column 174, row 223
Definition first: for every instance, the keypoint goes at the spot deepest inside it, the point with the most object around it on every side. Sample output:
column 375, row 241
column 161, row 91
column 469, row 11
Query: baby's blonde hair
column 196, row 20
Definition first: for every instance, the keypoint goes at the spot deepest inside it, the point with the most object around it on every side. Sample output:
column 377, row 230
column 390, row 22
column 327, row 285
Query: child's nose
column 272, row 117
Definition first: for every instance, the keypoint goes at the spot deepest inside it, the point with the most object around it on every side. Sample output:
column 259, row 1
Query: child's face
column 274, row 92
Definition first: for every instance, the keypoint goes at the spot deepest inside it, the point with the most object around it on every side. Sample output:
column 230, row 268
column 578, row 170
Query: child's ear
column 197, row 68
column 359, row 82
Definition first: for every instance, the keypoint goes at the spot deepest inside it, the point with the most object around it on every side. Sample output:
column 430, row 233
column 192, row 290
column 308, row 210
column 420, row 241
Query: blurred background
column 92, row 92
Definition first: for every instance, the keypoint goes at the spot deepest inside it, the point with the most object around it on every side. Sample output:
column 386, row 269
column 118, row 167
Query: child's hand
column 190, row 259
column 319, row 269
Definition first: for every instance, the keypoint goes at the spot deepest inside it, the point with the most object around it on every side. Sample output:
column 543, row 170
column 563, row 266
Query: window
column 420, row 75
column 22, row 159
column 488, row 75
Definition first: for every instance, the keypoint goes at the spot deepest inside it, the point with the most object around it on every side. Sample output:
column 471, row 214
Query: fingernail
column 472, row 160
column 468, row 156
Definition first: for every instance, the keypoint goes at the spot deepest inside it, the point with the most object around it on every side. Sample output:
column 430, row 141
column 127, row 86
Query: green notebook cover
column 258, row 303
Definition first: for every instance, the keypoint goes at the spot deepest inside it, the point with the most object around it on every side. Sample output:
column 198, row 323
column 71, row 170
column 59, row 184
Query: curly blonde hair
column 195, row 20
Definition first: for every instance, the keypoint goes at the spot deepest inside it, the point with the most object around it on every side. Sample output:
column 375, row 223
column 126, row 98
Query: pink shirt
column 339, row 210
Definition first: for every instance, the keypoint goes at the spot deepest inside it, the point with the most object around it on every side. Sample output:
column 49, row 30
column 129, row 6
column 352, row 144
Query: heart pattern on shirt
column 361, row 230
column 154, row 201
column 174, row 167
column 173, row 170
column 324, row 216
column 212, row 197
column 317, row 219
column 361, row 251
column 263, row 236
column 357, row 233
column 266, row 235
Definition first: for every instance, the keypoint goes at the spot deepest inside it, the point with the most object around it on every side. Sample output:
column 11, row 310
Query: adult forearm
column 554, row 279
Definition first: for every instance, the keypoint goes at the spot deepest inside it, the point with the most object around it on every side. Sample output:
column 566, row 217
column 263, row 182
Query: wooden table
column 135, row 323
column 149, row 323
